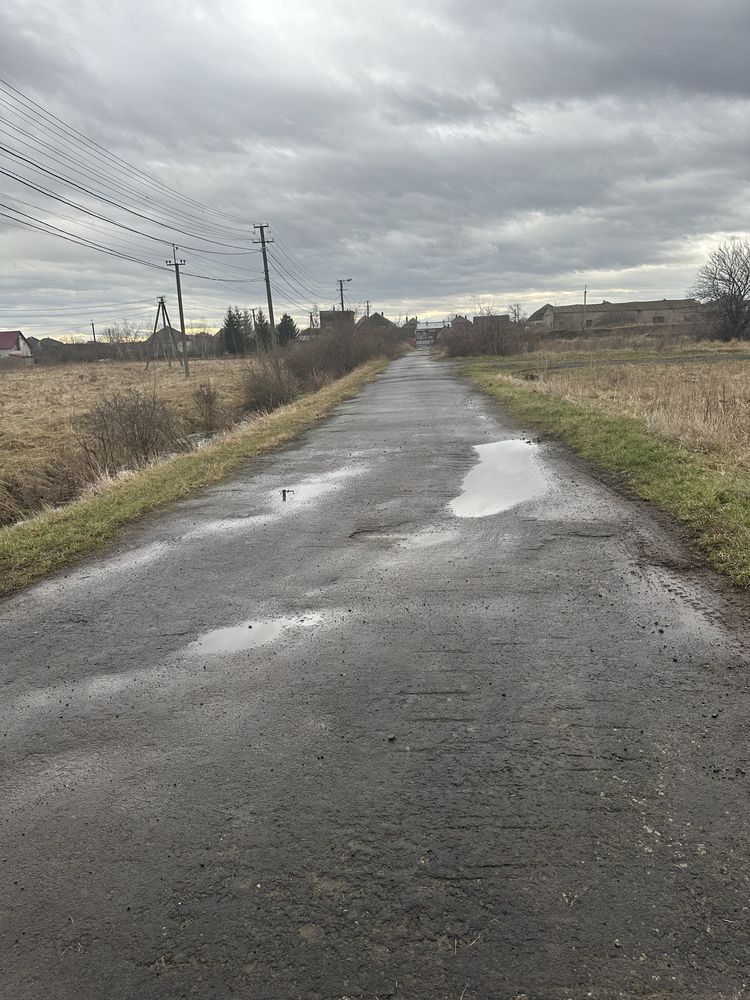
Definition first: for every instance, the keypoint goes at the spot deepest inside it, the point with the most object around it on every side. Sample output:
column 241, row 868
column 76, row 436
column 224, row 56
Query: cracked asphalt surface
column 478, row 758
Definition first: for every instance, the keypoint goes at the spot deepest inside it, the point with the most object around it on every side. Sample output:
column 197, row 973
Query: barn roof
column 8, row 339
column 617, row 306
column 540, row 312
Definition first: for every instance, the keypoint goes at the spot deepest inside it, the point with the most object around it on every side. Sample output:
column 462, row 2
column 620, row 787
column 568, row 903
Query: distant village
column 166, row 342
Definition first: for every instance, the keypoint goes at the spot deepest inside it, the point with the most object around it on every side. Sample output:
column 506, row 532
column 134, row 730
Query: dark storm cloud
column 436, row 152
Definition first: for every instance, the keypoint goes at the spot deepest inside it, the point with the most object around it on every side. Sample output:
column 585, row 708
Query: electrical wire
column 32, row 111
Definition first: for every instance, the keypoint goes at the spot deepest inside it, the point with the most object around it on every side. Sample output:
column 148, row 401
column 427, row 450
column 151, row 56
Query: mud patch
column 507, row 474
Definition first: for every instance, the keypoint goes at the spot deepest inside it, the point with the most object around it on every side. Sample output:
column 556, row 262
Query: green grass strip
column 31, row 550
column 712, row 502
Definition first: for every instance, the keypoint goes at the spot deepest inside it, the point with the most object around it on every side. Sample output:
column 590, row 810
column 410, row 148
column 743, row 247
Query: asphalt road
column 470, row 758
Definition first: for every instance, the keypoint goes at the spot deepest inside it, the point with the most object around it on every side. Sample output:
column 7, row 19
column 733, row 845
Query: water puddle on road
column 236, row 638
column 507, row 474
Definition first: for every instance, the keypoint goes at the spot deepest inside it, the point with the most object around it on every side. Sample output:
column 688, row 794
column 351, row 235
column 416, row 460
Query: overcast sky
column 445, row 155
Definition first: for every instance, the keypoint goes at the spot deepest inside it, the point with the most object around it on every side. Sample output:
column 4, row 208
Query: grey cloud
column 435, row 151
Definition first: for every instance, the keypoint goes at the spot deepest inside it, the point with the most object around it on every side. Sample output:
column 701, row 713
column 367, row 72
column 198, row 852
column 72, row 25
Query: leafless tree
column 723, row 282
column 517, row 315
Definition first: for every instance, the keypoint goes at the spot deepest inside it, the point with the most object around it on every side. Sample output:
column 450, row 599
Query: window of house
column 589, row 322
column 658, row 319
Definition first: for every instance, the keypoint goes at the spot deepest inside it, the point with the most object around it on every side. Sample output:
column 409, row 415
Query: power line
column 80, row 241
column 300, row 285
column 100, row 197
column 28, row 108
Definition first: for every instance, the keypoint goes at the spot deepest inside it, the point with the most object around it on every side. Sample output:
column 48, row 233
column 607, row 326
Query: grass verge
column 33, row 549
column 711, row 499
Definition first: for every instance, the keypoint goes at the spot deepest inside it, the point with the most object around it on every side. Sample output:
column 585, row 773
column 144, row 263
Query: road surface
column 364, row 743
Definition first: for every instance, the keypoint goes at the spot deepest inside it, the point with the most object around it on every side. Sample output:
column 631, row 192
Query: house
column 492, row 324
column 166, row 341
column 374, row 323
column 336, row 321
column 15, row 347
column 461, row 324
column 427, row 333
column 607, row 315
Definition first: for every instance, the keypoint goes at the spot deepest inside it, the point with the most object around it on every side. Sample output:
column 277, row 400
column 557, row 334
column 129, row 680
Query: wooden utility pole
column 342, row 282
column 583, row 322
column 161, row 311
column 93, row 330
column 263, row 241
column 176, row 265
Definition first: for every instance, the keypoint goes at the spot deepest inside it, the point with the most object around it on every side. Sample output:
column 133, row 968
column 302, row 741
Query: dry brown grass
column 629, row 344
column 38, row 405
column 705, row 407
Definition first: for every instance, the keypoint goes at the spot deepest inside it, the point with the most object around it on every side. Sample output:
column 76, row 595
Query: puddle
column 507, row 474
column 236, row 638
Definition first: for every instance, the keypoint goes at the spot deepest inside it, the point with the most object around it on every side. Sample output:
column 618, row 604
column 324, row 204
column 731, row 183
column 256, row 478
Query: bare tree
column 517, row 315
column 724, row 284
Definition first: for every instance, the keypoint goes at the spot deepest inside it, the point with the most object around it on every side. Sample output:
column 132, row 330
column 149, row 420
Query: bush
column 268, row 383
column 211, row 414
column 278, row 378
column 128, row 430
column 470, row 343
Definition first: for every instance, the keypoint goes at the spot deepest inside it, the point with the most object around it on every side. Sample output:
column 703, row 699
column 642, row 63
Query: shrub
column 128, row 430
column 268, row 383
column 211, row 414
column 470, row 343
column 277, row 378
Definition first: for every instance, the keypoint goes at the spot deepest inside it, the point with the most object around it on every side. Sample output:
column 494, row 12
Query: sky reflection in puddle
column 507, row 474
column 247, row 635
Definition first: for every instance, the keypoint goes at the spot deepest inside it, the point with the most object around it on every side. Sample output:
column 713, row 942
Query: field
column 703, row 406
column 39, row 405
column 39, row 408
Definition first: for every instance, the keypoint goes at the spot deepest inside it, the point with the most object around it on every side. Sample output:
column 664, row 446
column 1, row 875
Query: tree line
column 243, row 333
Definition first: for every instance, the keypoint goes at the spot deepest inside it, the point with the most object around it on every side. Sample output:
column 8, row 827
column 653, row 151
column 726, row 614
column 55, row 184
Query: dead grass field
column 638, row 344
column 39, row 405
column 705, row 407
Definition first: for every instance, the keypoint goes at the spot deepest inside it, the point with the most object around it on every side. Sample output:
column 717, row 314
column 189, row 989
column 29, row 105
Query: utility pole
column 342, row 282
column 93, row 330
column 585, row 293
column 176, row 265
column 263, row 241
column 367, row 304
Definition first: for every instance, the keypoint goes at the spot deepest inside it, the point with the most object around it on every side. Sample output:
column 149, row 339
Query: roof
column 164, row 331
column 9, row 338
column 540, row 312
column 633, row 306
column 376, row 321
